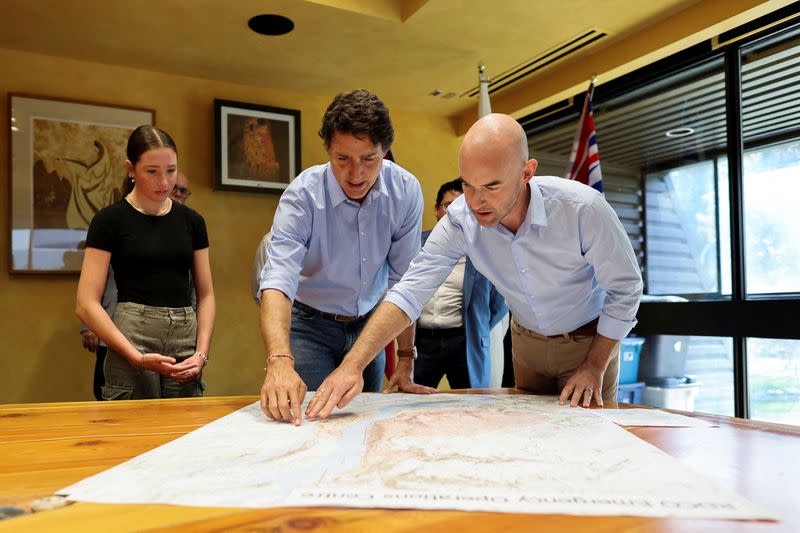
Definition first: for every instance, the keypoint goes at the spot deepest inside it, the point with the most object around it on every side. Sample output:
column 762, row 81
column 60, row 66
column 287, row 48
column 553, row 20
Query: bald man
column 553, row 248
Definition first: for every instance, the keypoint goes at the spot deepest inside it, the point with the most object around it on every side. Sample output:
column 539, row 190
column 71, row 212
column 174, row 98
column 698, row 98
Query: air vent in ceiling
column 537, row 63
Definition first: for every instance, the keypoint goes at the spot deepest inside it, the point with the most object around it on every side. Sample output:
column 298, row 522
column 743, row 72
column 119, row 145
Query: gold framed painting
column 66, row 162
column 257, row 147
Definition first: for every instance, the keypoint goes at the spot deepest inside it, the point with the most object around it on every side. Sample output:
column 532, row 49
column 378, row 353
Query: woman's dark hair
column 146, row 138
column 358, row 113
column 127, row 186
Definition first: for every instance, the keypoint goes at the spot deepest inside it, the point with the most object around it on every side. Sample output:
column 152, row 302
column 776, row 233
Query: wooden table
column 45, row 447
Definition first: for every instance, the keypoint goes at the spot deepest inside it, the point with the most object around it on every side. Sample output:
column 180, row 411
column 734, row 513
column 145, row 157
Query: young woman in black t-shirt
column 157, row 345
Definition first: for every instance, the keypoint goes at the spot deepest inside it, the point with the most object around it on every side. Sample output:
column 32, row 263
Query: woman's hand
column 190, row 369
column 156, row 362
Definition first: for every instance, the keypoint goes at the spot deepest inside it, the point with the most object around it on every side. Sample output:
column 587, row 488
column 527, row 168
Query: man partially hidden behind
column 343, row 233
column 452, row 335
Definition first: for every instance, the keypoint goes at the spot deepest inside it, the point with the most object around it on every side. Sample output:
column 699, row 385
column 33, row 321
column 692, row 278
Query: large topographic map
column 470, row 452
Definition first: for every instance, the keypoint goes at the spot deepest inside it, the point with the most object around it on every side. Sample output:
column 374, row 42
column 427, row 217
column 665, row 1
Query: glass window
column 771, row 178
column 689, row 373
column 773, row 376
column 683, row 228
column 771, row 219
column 686, row 194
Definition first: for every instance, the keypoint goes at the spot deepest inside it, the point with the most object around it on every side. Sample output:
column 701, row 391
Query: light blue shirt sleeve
column 291, row 231
column 606, row 247
column 406, row 242
column 442, row 250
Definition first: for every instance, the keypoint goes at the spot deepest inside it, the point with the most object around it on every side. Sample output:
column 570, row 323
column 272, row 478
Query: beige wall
column 42, row 357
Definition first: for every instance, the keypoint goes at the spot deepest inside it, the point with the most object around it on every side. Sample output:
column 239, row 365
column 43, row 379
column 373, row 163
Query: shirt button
column 362, row 233
column 524, row 270
column 363, row 258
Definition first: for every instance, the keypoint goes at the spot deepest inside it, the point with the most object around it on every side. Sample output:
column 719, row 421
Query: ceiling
column 401, row 49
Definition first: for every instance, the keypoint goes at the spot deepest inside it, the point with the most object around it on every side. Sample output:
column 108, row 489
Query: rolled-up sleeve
column 606, row 246
column 291, row 231
column 429, row 269
column 406, row 241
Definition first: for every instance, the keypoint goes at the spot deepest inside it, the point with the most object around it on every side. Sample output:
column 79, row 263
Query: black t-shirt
column 151, row 255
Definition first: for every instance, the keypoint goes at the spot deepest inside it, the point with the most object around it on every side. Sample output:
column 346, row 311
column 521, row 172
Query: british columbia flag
column 584, row 163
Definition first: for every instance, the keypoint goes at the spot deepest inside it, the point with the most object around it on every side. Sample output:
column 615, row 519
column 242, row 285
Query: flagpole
column 484, row 105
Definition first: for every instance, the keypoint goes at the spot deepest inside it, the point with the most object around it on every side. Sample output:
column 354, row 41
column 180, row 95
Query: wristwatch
column 412, row 353
column 204, row 356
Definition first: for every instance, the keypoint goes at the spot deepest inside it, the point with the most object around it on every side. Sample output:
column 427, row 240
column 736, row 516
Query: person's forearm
column 405, row 341
column 386, row 324
column 276, row 319
column 206, row 317
column 95, row 317
column 599, row 352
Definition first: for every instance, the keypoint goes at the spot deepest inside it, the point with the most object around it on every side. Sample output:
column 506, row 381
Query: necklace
column 163, row 210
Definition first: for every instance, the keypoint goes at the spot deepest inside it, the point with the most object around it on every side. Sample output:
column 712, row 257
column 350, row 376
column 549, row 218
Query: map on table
column 509, row 453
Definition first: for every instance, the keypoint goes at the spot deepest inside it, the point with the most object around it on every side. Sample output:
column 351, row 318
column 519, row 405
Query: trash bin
column 671, row 393
column 630, row 392
column 629, row 359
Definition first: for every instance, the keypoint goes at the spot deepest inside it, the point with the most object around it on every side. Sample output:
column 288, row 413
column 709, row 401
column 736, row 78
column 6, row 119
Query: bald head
column 498, row 136
column 495, row 170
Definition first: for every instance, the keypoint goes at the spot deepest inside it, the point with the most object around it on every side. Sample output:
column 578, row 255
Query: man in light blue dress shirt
column 344, row 232
column 554, row 249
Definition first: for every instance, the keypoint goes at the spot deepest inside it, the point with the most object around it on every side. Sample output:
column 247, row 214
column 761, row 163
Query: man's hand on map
column 338, row 389
column 283, row 391
column 586, row 383
column 403, row 379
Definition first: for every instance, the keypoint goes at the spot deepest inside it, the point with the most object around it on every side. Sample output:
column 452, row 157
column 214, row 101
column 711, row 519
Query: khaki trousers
column 170, row 331
column 543, row 365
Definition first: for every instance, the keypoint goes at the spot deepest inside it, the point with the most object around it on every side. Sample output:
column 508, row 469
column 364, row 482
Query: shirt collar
column 334, row 189
column 536, row 215
column 380, row 183
column 337, row 194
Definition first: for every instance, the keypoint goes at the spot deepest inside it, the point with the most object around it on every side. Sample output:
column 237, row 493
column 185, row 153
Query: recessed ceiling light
column 680, row 132
column 270, row 24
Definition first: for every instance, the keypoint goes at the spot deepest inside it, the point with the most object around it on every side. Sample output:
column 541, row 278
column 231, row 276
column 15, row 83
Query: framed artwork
column 66, row 162
column 257, row 147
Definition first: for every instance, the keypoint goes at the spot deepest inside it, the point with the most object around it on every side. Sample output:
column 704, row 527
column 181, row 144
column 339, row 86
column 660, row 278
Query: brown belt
column 333, row 316
column 587, row 330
